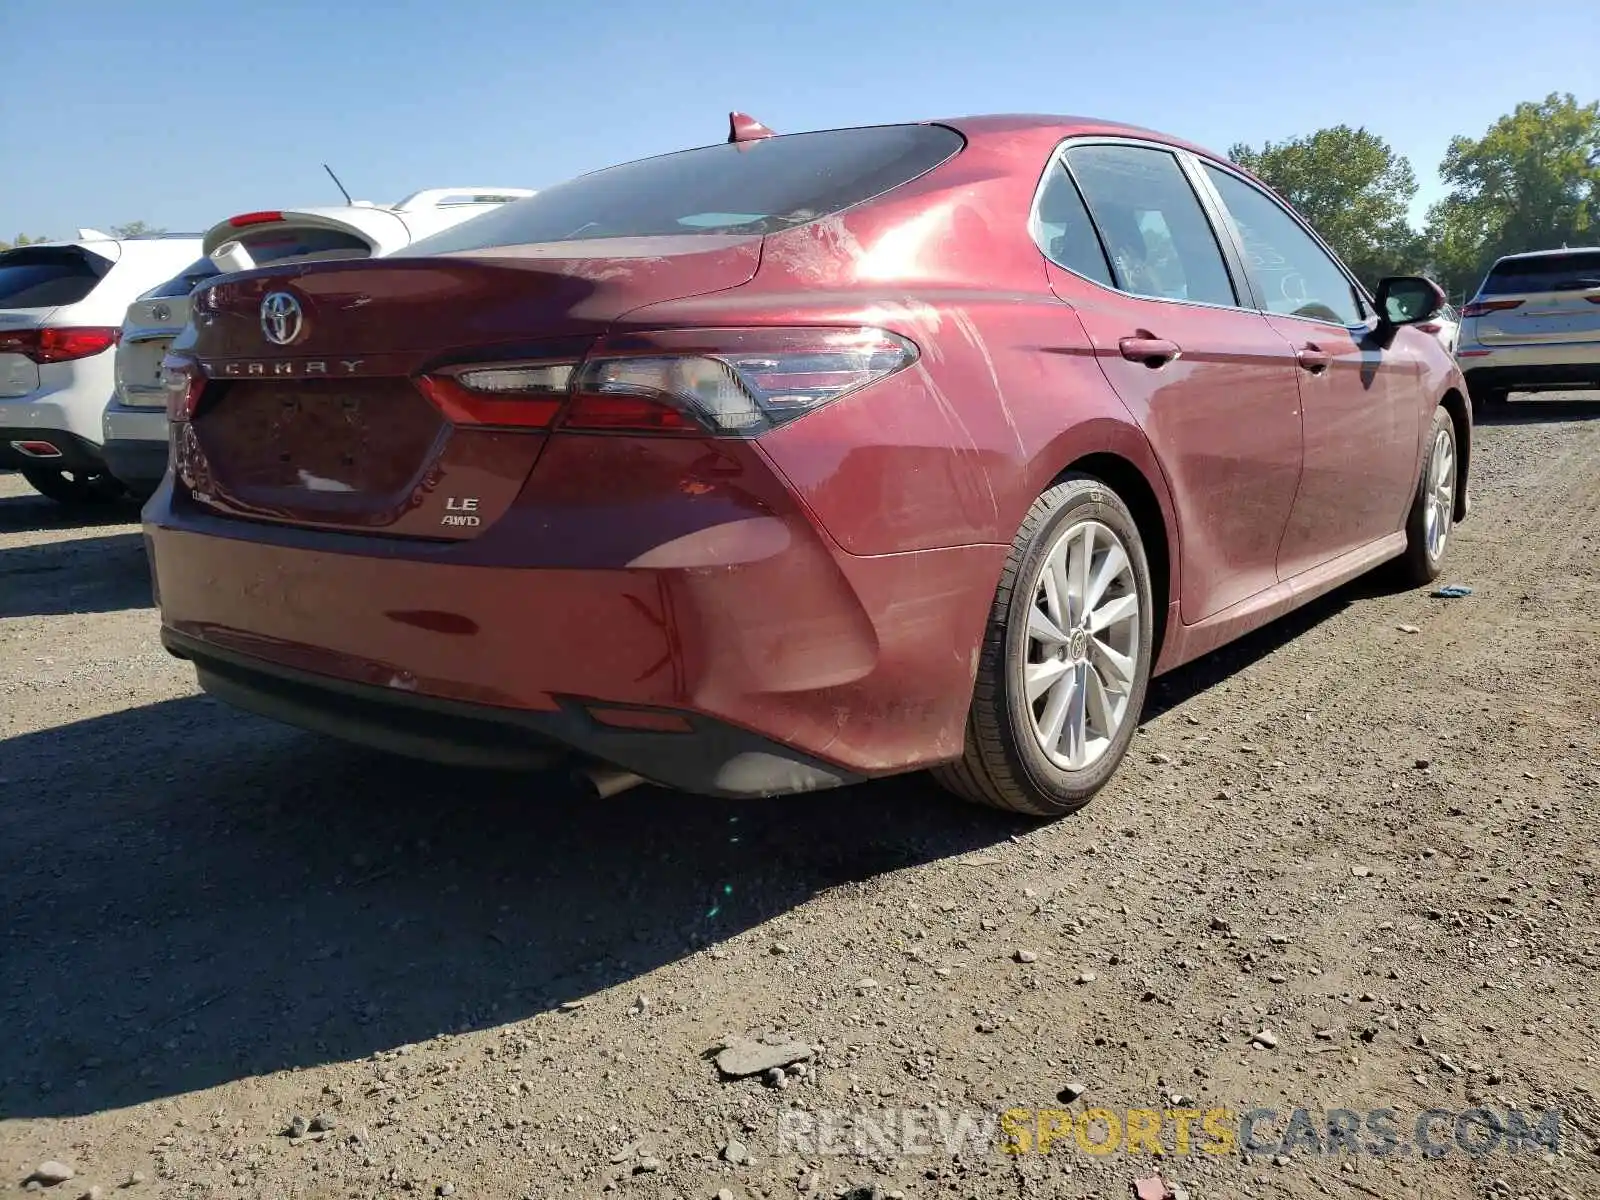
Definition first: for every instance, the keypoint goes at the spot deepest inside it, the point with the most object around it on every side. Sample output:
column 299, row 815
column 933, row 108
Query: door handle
column 1153, row 352
column 1313, row 358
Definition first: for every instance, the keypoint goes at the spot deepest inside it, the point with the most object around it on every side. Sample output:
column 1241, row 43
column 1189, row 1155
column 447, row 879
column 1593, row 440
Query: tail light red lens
column 1477, row 308
column 59, row 345
column 184, row 385
column 513, row 395
column 254, row 218
column 726, row 382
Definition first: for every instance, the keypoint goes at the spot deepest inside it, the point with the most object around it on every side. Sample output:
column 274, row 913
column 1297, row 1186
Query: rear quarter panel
column 1005, row 394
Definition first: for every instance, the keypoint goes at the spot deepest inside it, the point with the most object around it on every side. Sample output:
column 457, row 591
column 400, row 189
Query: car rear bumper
column 750, row 658
column 699, row 754
column 1529, row 366
column 71, row 398
column 73, row 453
column 1490, row 374
column 136, row 444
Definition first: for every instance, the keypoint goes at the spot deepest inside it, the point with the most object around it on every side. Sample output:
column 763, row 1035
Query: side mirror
column 1408, row 299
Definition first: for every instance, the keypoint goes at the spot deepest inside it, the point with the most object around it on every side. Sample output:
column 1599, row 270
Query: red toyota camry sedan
column 793, row 461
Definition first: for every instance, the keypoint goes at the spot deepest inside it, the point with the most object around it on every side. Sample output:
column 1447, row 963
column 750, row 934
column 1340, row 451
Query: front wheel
column 1433, row 508
column 1066, row 658
column 74, row 488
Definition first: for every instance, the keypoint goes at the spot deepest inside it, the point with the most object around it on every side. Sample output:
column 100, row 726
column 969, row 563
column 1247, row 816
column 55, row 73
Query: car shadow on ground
column 96, row 573
column 1530, row 409
column 29, row 511
column 193, row 895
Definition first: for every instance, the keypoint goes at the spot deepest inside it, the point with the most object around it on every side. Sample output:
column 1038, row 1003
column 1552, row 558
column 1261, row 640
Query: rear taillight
column 1477, row 308
column 59, row 345
column 254, row 218
column 183, row 384
column 515, row 395
column 728, row 382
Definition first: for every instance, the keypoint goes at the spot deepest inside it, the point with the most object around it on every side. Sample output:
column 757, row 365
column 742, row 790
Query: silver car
column 1533, row 326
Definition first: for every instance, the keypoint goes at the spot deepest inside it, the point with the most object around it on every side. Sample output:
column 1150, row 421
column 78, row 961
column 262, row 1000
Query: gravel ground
column 1351, row 863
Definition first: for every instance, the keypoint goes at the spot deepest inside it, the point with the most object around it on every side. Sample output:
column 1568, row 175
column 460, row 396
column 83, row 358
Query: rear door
column 1361, row 398
column 1546, row 299
column 1205, row 375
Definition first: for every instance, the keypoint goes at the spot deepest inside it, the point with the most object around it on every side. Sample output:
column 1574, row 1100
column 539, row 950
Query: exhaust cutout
column 601, row 783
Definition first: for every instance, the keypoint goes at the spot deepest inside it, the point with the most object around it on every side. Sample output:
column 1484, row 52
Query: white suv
column 61, row 309
column 135, row 423
column 1534, row 326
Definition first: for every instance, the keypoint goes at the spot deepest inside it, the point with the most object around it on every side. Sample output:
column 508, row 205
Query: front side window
column 1296, row 276
column 1156, row 234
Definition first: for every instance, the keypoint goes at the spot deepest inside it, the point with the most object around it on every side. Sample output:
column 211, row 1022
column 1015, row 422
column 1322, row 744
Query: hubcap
column 1081, row 654
column 1440, row 507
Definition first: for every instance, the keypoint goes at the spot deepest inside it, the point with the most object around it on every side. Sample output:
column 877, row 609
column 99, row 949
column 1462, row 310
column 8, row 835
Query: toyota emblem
column 281, row 318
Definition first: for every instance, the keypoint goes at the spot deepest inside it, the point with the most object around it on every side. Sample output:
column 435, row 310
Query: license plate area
column 330, row 438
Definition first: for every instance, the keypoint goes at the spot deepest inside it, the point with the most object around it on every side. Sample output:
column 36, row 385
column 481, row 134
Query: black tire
column 1004, row 765
column 74, row 488
column 1424, row 558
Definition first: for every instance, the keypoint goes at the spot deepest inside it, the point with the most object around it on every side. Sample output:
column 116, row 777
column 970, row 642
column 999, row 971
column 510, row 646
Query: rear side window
column 746, row 187
column 1578, row 271
column 1159, row 240
column 278, row 244
column 48, row 276
column 1063, row 230
column 185, row 281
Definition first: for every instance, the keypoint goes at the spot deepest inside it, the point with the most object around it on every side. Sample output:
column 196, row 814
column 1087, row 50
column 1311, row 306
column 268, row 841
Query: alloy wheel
column 1441, row 499
column 1081, row 653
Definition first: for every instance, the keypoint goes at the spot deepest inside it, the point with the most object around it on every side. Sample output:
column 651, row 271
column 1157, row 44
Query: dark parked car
column 793, row 461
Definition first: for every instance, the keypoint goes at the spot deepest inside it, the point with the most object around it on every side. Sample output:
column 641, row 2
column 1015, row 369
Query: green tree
column 1353, row 189
column 1531, row 182
column 22, row 239
column 134, row 229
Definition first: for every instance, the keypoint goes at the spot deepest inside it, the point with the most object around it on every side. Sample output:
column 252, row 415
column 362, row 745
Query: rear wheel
column 73, row 487
column 1066, row 658
column 1433, row 509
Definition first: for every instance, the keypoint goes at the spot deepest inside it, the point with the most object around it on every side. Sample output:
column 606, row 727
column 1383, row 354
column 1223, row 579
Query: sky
column 184, row 112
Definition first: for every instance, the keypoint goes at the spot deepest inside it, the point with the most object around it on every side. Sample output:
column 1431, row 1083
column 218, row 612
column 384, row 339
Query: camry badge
column 281, row 318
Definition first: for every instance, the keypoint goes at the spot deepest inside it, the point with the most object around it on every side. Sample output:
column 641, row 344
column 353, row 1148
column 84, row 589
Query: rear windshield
column 280, row 243
column 185, row 281
column 47, row 276
column 747, row 187
column 1573, row 272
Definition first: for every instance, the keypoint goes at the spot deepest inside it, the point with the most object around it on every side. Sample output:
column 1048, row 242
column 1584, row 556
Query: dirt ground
column 1366, row 837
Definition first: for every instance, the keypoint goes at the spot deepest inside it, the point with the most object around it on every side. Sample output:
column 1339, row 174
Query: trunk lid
column 148, row 327
column 35, row 282
column 330, row 430
column 1545, row 299
column 19, row 374
column 147, row 334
